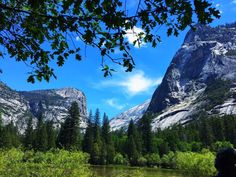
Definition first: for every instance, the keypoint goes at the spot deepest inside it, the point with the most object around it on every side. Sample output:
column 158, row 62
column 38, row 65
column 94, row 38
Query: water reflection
column 122, row 171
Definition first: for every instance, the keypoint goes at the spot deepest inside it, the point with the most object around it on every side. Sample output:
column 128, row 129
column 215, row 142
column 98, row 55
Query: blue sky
column 122, row 91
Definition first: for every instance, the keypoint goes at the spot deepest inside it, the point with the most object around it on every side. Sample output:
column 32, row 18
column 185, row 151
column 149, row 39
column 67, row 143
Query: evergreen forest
column 136, row 146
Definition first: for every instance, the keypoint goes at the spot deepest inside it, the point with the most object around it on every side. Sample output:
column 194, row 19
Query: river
column 125, row 171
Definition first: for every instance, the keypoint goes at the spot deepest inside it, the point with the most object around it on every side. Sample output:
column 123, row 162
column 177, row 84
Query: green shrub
column 196, row 146
column 169, row 160
column 221, row 145
column 196, row 164
column 153, row 159
column 184, row 146
column 141, row 161
column 55, row 163
column 119, row 159
column 216, row 93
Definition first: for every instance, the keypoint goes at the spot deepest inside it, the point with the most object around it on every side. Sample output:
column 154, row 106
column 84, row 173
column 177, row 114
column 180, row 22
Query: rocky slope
column 54, row 104
column 201, row 77
column 123, row 119
column 13, row 106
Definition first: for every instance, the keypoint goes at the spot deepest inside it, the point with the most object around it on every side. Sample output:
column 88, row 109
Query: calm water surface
column 114, row 171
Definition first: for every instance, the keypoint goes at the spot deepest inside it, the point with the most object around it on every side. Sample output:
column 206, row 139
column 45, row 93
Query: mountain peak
column 135, row 113
column 53, row 103
column 69, row 92
column 207, row 54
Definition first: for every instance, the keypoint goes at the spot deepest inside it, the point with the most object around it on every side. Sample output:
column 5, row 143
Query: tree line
column 137, row 145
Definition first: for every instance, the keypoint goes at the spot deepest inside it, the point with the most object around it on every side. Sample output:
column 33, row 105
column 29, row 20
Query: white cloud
column 132, row 35
column 139, row 83
column 217, row 5
column 133, row 84
column 234, row 1
column 77, row 38
column 114, row 103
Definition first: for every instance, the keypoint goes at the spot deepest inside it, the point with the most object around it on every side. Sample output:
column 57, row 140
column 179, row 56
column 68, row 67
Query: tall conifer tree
column 131, row 144
column 108, row 145
column 146, row 131
column 89, row 135
column 69, row 136
column 51, row 134
column 41, row 137
column 1, row 131
column 29, row 134
column 97, row 144
column 75, row 125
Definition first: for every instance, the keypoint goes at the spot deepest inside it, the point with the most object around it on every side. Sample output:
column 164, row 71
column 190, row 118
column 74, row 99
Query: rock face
column 208, row 54
column 54, row 104
column 13, row 106
column 123, row 119
column 198, row 77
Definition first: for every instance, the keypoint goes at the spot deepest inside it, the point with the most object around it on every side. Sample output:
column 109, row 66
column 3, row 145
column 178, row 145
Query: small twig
column 138, row 7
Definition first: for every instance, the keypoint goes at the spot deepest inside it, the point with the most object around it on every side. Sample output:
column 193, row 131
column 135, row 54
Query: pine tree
column 1, row 123
column 97, row 131
column 106, row 129
column 218, row 128
column 89, row 135
column 51, row 135
column 41, row 137
column 1, row 131
column 131, row 144
column 75, row 122
column 206, row 132
column 230, row 131
column 29, row 134
column 63, row 135
column 10, row 136
column 108, row 145
column 69, row 136
column 97, row 144
column 146, row 131
column 132, row 150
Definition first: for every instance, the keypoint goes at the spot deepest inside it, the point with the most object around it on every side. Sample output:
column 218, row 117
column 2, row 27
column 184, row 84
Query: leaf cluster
column 43, row 32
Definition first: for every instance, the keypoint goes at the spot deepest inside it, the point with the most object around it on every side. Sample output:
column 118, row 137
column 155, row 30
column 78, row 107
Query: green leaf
column 60, row 60
column 78, row 57
column 31, row 79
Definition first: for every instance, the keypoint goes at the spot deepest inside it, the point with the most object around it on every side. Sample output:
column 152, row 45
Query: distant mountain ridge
column 18, row 106
column 123, row 119
column 200, row 77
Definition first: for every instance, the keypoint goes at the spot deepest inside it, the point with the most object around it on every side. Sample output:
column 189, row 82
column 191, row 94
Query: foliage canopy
column 38, row 32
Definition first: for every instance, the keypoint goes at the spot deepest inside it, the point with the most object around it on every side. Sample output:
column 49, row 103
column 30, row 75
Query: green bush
column 141, row 161
column 55, row 163
column 153, row 159
column 196, row 146
column 169, row 160
column 119, row 159
column 221, row 145
column 196, row 164
column 184, row 146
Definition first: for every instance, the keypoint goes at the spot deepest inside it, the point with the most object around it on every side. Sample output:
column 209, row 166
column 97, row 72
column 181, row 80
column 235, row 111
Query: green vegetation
column 56, row 163
column 216, row 93
column 196, row 164
column 231, row 53
column 174, row 147
column 69, row 136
